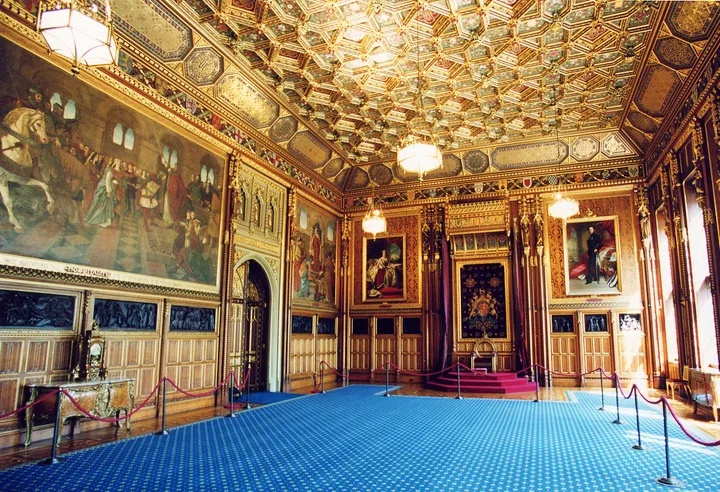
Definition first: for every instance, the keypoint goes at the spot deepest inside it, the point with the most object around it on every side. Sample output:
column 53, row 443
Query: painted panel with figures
column 314, row 257
column 93, row 187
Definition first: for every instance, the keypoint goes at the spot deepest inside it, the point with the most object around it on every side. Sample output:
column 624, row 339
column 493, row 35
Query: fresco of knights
column 483, row 303
column 314, row 256
column 85, row 180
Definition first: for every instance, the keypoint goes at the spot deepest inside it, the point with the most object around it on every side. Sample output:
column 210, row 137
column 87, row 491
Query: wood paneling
column 598, row 352
column 192, row 362
column 385, row 350
column 565, row 353
column 411, row 353
column 10, row 353
column 632, row 353
column 136, row 358
column 360, row 353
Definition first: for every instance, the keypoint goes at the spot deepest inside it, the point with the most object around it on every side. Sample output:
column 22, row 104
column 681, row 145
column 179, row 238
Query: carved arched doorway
column 250, row 325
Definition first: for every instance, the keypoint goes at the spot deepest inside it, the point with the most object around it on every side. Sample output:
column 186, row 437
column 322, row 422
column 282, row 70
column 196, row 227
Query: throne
column 484, row 355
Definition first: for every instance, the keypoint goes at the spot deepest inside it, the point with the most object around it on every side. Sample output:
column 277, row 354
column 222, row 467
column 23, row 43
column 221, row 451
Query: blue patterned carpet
column 351, row 439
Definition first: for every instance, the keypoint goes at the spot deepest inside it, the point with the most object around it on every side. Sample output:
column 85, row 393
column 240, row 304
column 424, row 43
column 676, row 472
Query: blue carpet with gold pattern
column 353, row 439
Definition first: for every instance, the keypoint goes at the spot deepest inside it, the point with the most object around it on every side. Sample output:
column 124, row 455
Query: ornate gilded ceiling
column 500, row 85
column 490, row 72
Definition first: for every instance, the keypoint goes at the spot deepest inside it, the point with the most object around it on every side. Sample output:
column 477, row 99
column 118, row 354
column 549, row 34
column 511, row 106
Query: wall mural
column 92, row 187
column 483, row 300
column 314, row 257
column 36, row 310
column 186, row 318
column 112, row 314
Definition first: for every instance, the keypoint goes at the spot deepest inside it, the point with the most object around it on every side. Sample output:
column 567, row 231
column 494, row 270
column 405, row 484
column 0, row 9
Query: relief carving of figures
column 525, row 228
column 538, row 221
column 644, row 217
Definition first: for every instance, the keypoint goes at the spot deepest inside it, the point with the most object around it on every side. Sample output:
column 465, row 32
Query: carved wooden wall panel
column 326, row 350
column 301, row 355
column 631, row 348
column 598, row 352
column 360, row 353
column 412, row 353
column 134, row 357
column 565, row 353
column 385, row 350
column 192, row 362
column 34, row 358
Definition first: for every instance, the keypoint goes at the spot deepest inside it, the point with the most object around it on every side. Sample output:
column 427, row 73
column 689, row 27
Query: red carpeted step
column 493, row 383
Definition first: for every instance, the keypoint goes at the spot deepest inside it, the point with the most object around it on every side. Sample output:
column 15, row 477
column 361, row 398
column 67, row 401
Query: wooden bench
column 705, row 389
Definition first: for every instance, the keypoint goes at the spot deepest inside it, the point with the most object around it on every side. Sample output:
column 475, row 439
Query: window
column 70, row 112
column 118, row 134
column 170, row 158
column 129, row 139
column 666, row 288
column 700, row 275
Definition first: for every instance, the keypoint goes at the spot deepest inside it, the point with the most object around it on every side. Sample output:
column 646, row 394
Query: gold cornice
column 337, row 212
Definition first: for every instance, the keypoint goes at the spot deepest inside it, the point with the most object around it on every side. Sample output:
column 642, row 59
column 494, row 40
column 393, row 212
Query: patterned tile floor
column 383, row 444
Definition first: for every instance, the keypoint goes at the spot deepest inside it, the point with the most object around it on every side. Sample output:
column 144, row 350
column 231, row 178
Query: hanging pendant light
column 562, row 207
column 419, row 156
column 80, row 30
column 374, row 221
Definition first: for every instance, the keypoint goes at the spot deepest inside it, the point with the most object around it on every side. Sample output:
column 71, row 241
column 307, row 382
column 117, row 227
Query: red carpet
column 500, row 383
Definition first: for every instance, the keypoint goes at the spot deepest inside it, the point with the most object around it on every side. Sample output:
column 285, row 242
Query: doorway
column 250, row 325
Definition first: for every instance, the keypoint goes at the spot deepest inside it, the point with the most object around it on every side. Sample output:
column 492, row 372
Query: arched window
column 211, row 175
column 70, row 111
column 56, row 99
column 170, row 156
column 203, row 174
column 129, row 139
column 118, row 134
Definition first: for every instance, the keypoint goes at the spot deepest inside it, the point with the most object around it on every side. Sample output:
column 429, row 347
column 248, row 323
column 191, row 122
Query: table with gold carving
column 99, row 398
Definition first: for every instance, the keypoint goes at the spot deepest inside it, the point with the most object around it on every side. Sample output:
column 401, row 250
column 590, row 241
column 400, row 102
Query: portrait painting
column 94, row 187
column 592, row 256
column 314, row 257
column 483, row 299
column 384, row 269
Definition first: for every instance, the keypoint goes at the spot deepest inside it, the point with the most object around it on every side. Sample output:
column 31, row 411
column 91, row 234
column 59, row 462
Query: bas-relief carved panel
column 127, row 198
column 153, row 26
column 314, row 257
column 408, row 226
column 252, row 104
column 616, row 206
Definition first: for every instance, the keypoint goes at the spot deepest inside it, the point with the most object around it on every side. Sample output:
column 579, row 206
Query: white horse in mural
column 21, row 127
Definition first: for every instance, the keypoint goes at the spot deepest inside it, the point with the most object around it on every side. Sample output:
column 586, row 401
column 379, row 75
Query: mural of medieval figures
column 315, row 249
column 483, row 300
column 90, row 182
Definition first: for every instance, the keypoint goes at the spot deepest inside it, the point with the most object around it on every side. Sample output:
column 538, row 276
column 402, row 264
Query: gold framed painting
column 384, row 269
column 592, row 256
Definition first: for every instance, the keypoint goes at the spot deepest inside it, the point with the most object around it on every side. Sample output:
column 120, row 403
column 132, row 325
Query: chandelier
column 562, row 207
column 80, row 30
column 374, row 221
column 419, row 156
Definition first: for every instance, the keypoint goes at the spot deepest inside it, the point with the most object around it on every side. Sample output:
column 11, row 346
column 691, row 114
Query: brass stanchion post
column 387, row 377
column 639, row 445
column 232, row 393
column 162, row 431
column 667, row 479
column 53, row 459
column 617, row 398
column 322, row 377
column 247, row 385
column 602, row 391
column 459, row 396
column 537, row 385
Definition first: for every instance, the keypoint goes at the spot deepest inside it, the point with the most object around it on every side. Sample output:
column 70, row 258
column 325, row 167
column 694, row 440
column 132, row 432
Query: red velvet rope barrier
column 16, row 411
column 144, row 403
column 662, row 399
